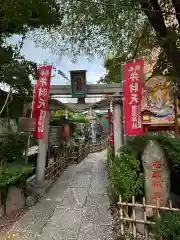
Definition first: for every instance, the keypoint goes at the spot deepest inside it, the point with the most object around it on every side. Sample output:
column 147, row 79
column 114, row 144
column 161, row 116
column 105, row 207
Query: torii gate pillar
column 117, row 121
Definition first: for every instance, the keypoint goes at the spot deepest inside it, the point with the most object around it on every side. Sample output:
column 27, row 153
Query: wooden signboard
column 78, row 84
column 27, row 124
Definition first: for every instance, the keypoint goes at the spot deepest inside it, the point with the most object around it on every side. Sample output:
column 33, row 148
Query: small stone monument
column 156, row 174
column 15, row 199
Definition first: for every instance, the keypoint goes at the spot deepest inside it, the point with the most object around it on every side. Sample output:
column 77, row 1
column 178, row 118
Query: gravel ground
column 7, row 221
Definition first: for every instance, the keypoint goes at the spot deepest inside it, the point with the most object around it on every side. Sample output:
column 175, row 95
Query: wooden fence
column 138, row 222
column 60, row 161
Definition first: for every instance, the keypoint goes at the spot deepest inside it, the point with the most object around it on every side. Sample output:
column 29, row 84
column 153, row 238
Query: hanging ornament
column 111, row 140
column 66, row 114
column 67, row 130
column 106, row 115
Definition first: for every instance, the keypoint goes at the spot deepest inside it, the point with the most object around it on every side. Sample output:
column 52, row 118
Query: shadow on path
column 76, row 207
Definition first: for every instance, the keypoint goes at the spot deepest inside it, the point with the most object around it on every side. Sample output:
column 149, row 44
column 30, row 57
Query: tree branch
column 156, row 18
column 6, row 102
column 176, row 4
column 139, row 40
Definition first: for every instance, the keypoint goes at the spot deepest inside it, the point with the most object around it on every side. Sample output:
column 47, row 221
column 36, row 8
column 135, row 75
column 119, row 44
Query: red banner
column 40, row 100
column 133, row 75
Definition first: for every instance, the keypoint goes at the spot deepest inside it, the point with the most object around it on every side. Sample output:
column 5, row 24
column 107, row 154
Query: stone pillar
column 117, row 122
column 41, row 159
column 93, row 130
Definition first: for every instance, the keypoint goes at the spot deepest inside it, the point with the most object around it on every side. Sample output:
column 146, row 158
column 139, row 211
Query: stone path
column 76, row 207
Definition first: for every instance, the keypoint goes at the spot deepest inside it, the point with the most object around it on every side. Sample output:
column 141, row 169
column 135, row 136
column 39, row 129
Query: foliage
column 145, row 46
column 61, row 113
column 80, row 118
column 124, row 173
column 93, row 28
column 167, row 226
column 31, row 14
column 170, row 144
column 99, row 27
column 14, row 173
column 13, row 147
column 14, row 108
column 18, row 18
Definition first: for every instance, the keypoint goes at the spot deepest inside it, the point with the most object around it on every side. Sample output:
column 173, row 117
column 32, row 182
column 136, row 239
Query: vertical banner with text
column 78, row 83
column 40, row 99
column 133, row 75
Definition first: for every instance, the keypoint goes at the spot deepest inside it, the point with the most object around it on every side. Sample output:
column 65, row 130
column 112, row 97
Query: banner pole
column 124, row 124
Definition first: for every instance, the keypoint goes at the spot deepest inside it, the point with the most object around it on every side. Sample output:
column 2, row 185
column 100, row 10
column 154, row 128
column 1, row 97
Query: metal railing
column 139, row 217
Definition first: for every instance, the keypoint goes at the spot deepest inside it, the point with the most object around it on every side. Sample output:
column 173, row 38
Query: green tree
column 18, row 18
column 97, row 26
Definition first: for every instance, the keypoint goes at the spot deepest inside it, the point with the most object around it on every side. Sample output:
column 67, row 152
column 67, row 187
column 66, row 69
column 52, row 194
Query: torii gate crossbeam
column 92, row 89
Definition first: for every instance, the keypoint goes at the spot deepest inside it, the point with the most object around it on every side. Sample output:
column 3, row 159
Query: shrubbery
column 13, row 167
column 167, row 226
column 124, row 175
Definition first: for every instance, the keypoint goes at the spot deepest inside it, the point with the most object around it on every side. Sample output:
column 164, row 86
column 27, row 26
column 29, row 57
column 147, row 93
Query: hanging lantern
column 66, row 130
column 109, row 116
column 111, row 137
column 66, row 114
column 27, row 124
column 106, row 116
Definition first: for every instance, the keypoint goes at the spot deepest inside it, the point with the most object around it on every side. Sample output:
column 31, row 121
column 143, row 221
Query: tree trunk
column 176, row 116
column 166, row 41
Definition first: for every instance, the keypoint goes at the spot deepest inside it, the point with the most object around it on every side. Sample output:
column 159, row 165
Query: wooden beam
column 92, row 89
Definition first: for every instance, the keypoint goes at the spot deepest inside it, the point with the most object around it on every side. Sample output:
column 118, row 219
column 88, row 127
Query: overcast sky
column 95, row 69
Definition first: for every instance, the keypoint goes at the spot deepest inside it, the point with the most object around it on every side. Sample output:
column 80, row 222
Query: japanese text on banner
column 133, row 73
column 157, row 185
column 41, row 95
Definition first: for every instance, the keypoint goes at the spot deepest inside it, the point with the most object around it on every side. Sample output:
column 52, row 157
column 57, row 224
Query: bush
column 13, row 147
column 14, row 174
column 167, row 226
column 124, row 174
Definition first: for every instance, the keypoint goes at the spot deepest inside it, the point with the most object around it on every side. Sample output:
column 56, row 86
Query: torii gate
column 114, row 90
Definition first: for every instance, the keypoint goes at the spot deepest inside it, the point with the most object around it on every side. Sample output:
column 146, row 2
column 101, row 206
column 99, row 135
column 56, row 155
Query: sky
column 95, row 68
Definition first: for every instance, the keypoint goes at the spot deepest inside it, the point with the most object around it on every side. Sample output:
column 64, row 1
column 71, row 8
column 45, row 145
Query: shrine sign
column 78, row 84
column 133, row 75
column 40, row 100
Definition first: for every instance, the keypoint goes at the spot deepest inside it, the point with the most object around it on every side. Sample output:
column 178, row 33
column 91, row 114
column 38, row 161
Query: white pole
column 117, row 121
column 41, row 159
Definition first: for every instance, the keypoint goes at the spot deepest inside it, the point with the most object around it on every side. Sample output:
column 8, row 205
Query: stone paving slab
column 74, row 198
column 76, row 208
column 97, row 199
column 97, row 214
column 91, row 231
column 57, row 192
column 68, row 174
column 82, row 181
column 84, row 168
column 64, row 224
column 35, row 219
